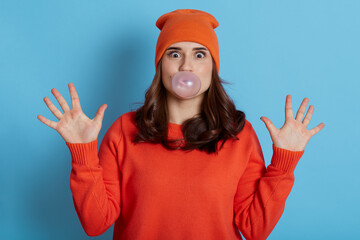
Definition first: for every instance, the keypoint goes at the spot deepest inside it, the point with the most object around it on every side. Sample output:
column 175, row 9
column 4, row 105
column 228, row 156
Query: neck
column 181, row 110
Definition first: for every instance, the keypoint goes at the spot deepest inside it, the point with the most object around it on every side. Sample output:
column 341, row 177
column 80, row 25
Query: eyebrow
column 194, row 49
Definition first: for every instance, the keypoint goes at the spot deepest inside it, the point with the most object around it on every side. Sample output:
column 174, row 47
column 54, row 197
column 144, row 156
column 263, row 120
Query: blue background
column 106, row 48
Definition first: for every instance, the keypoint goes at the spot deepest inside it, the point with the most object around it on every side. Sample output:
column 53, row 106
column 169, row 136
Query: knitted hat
column 188, row 25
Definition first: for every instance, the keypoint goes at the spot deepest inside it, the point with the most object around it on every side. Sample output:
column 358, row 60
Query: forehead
column 187, row 45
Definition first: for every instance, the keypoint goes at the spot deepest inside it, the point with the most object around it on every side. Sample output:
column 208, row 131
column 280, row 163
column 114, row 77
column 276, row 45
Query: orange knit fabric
column 150, row 192
column 188, row 25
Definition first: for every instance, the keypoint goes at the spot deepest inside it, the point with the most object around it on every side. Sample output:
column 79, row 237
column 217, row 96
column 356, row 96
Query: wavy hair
column 218, row 120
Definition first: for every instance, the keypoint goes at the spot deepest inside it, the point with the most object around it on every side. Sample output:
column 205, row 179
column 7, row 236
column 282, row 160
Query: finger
column 75, row 101
column 61, row 100
column 100, row 113
column 52, row 108
column 269, row 125
column 47, row 122
column 302, row 108
column 317, row 129
column 308, row 115
column 288, row 108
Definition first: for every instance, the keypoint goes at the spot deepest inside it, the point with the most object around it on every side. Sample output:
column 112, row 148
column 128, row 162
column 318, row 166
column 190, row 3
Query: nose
column 186, row 64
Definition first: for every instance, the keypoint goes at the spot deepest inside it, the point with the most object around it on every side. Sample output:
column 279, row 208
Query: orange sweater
column 150, row 192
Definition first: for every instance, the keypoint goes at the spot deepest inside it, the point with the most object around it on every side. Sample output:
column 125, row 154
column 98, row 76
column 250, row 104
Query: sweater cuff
column 83, row 153
column 284, row 159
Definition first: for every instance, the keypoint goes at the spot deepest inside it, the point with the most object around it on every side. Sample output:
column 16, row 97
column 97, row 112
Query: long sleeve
column 95, row 181
column 261, row 192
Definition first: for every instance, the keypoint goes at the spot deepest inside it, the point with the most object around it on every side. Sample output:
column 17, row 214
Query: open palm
column 73, row 125
column 293, row 135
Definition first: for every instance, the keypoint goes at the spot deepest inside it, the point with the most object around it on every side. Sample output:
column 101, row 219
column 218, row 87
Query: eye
column 200, row 54
column 174, row 54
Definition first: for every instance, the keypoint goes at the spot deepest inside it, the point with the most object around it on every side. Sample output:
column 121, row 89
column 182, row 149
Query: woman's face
column 187, row 56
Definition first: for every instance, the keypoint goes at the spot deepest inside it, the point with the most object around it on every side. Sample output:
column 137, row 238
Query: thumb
column 100, row 113
column 269, row 125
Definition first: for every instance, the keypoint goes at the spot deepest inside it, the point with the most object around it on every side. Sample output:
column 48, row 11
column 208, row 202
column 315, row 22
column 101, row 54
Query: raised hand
column 293, row 135
column 73, row 125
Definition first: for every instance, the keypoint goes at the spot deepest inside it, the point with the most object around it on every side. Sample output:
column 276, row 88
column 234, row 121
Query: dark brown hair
column 218, row 120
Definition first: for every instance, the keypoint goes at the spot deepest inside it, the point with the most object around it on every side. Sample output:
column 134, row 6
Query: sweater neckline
column 174, row 130
column 174, row 124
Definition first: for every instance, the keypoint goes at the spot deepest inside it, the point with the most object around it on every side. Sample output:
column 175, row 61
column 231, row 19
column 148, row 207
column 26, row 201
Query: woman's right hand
column 73, row 125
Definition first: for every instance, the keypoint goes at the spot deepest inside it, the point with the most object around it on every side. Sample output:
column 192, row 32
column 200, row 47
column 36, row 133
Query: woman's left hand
column 293, row 135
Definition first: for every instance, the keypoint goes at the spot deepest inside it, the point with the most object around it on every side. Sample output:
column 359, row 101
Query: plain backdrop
column 268, row 49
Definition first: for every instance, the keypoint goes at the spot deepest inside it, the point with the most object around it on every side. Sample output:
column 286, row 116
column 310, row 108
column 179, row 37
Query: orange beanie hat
column 187, row 25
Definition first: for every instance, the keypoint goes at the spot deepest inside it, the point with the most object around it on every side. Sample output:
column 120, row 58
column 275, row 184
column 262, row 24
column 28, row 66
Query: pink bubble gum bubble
column 186, row 84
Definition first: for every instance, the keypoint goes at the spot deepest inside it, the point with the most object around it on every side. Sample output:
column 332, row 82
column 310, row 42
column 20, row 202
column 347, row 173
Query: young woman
column 181, row 167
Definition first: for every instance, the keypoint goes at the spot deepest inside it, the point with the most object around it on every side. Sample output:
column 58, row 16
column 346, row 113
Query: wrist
column 285, row 159
column 83, row 153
